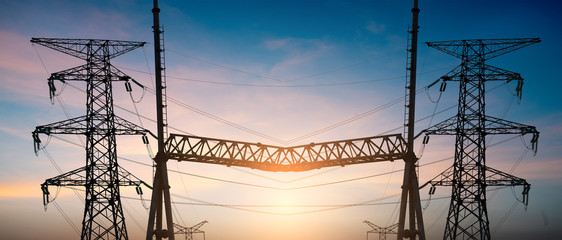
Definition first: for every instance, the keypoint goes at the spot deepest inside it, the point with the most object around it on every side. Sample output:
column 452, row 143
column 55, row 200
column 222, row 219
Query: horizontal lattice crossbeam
column 285, row 159
column 472, row 48
column 492, row 125
column 87, row 48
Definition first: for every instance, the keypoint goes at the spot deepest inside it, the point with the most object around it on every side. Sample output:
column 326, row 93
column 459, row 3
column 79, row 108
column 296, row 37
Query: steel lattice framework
column 189, row 231
column 382, row 231
column 284, row 159
column 102, row 175
column 469, row 176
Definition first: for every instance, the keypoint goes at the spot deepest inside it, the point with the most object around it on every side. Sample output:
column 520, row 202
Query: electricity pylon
column 102, row 175
column 382, row 231
column 189, row 231
column 470, row 176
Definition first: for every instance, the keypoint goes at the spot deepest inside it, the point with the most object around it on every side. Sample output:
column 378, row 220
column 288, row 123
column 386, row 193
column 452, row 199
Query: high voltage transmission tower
column 470, row 176
column 382, row 231
column 189, row 231
column 102, row 176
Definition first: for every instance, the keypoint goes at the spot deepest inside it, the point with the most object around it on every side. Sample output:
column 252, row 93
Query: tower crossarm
column 199, row 225
column 77, row 178
column 492, row 73
column 87, row 72
column 493, row 47
column 372, row 225
column 83, row 72
column 86, row 48
column 285, row 159
column 494, row 177
column 492, row 125
column 77, row 125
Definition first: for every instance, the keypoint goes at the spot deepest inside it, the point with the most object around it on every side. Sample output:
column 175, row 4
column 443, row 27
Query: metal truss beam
column 285, row 159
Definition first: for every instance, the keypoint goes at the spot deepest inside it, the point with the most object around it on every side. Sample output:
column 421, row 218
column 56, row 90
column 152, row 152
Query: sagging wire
column 148, row 67
column 183, row 183
column 518, row 89
column 504, row 218
column 140, row 193
column 534, row 142
column 129, row 89
column 131, row 215
column 432, row 116
column 52, row 88
column 66, row 218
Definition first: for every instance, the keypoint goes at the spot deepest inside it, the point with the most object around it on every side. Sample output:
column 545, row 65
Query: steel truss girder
column 85, row 49
column 285, row 159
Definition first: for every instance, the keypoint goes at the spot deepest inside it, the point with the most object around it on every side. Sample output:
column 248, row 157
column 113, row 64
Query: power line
column 280, row 80
column 282, row 86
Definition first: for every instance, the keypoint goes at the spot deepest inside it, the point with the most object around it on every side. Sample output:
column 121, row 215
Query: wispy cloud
column 297, row 53
column 376, row 28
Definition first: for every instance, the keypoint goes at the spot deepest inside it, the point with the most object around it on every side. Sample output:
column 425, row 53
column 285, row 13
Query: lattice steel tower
column 382, row 231
column 469, row 176
column 102, row 175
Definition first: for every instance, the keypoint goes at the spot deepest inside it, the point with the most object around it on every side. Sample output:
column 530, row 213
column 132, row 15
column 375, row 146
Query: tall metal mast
column 410, row 197
column 161, row 187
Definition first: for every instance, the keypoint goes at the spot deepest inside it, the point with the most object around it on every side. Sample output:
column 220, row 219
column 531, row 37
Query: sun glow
column 20, row 191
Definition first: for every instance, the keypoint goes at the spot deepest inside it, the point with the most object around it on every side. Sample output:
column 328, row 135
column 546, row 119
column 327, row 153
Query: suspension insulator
column 433, row 83
column 137, row 83
column 534, row 141
column 144, row 139
column 443, row 86
column 139, row 190
column 535, row 138
column 432, row 190
column 425, row 139
column 519, row 88
column 45, row 190
column 51, row 84
column 128, row 87
column 36, row 142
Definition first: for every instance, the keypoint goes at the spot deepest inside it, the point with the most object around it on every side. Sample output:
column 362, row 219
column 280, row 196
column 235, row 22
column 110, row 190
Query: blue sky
column 297, row 71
